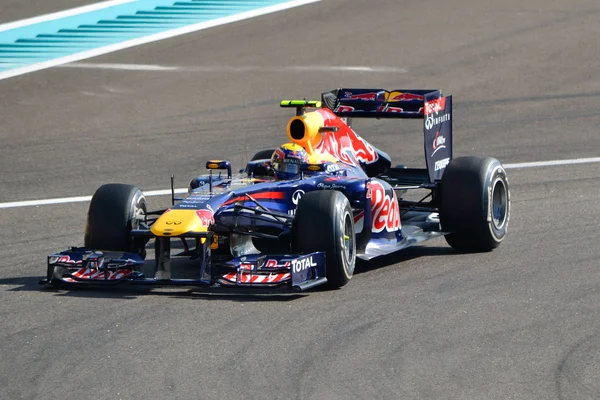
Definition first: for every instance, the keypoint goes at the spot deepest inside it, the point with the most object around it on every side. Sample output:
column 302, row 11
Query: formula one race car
column 299, row 216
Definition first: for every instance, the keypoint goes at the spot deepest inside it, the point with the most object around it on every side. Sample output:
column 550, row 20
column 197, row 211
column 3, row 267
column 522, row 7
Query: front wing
column 80, row 266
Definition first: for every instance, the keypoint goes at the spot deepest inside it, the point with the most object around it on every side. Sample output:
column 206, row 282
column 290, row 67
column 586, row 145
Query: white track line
column 44, row 202
column 79, row 199
column 552, row 163
column 153, row 38
column 243, row 69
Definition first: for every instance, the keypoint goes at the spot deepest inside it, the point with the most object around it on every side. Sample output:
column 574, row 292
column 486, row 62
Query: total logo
column 302, row 264
column 439, row 142
column 385, row 211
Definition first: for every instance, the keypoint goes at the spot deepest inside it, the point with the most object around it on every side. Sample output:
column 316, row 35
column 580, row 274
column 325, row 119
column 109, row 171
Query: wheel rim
column 138, row 213
column 499, row 204
column 348, row 244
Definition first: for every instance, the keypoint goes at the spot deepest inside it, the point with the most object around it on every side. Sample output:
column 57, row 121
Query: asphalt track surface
column 521, row 322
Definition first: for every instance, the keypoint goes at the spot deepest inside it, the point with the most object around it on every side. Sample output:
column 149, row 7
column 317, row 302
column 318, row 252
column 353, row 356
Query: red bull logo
column 295, row 154
column 345, row 141
column 385, row 212
column 405, row 96
column 206, row 217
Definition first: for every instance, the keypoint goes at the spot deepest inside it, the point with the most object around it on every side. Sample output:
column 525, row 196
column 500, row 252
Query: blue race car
column 300, row 215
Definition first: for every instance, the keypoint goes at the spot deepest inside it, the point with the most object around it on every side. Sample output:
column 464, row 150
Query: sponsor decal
column 344, row 109
column 95, row 274
column 405, row 96
column 206, row 217
column 195, row 199
column 361, row 96
column 296, row 196
column 66, row 260
column 274, row 264
column 385, row 211
column 389, row 109
column 435, row 106
column 302, row 264
column 330, row 186
column 254, row 278
column 432, row 121
column 438, row 143
column 331, row 168
column 441, row 164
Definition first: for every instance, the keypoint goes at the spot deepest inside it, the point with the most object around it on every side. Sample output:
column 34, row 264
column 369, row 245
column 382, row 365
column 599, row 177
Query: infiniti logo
column 297, row 196
column 429, row 122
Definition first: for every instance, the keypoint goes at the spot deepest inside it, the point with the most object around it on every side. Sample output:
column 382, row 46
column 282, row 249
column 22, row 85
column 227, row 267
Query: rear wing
column 429, row 105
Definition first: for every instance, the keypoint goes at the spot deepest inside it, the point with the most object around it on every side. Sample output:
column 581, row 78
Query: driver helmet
column 286, row 161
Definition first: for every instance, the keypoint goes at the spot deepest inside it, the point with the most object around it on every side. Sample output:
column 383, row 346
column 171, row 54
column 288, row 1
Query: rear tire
column 324, row 222
column 474, row 203
column 114, row 211
column 263, row 155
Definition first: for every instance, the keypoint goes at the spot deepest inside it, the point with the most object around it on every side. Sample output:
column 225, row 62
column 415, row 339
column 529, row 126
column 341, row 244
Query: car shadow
column 401, row 256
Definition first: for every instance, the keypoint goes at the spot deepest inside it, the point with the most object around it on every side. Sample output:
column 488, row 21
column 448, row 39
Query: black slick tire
column 114, row 211
column 324, row 222
column 474, row 203
column 262, row 155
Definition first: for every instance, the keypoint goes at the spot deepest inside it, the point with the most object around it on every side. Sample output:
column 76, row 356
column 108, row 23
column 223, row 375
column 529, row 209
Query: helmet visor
column 288, row 170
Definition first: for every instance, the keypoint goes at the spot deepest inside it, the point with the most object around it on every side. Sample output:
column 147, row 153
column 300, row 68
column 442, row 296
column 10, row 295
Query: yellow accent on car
column 304, row 130
column 300, row 103
column 177, row 223
column 213, row 166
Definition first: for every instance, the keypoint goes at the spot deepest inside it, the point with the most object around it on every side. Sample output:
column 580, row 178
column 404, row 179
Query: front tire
column 324, row 222
column 114, row 211
column 474, row 203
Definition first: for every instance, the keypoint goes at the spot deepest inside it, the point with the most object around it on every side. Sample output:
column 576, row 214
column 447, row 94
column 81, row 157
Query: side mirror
column 219, row 164
column 307, row 167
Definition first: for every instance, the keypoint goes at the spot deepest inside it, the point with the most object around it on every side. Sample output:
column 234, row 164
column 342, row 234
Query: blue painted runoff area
column 48, row 40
